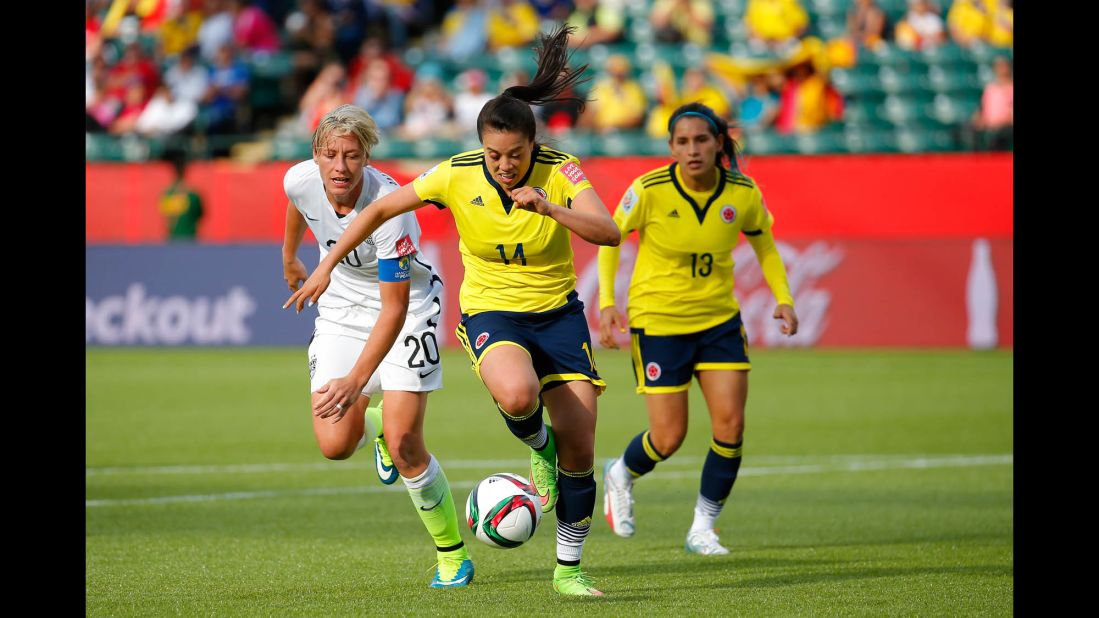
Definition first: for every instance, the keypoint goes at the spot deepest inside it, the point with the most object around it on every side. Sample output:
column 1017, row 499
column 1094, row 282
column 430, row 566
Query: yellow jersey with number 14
column 683, row 277
column 515, row 260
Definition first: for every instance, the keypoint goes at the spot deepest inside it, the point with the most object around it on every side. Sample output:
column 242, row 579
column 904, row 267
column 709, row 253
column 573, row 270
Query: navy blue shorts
column 665, row 363
column 557, row 341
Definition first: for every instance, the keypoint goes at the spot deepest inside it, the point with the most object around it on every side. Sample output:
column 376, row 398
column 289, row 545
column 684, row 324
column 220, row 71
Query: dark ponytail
column 729, row 149
column 511, row 110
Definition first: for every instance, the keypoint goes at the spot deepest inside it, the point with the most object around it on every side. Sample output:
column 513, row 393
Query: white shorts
column 412, row 364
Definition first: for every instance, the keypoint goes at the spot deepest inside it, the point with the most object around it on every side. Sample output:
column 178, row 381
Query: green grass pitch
column 874, row 483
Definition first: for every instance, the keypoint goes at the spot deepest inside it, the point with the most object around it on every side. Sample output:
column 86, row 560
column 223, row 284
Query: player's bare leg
column 340, row 439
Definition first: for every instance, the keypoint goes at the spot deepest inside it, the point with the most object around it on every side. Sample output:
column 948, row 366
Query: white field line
column 855, row 463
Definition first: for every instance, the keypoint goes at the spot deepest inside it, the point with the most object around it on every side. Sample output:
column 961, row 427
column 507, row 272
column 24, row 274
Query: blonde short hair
column 347, row 120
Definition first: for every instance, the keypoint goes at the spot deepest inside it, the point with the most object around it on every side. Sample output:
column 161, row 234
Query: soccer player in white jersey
column 375, row 328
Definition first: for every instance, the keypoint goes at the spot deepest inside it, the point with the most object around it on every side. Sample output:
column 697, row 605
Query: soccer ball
column 502, row 510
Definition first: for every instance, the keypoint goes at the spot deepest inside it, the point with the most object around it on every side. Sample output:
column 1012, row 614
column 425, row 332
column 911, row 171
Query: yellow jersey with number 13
column 515, row 260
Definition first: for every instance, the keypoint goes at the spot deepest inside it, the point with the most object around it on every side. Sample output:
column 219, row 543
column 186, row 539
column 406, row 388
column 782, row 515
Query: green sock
column 430, row 493
column 374, row 421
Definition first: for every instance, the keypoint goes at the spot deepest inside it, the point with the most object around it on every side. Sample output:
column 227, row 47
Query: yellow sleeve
column 432, row 185
column 628, row 216
column 568, row 180
column 770, row 261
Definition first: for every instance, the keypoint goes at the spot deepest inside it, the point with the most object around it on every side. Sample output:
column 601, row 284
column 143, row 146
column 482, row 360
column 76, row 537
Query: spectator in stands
column 254, row 32
column 166, row 114
column 511, row 23
column 807, row 102
column 552, row 11
column 596, row 22
column 561, row 115
column 994, row 122
column 401, row 19
column 350, row 20
column 760, row 105
column 216, row 30
column 188, row 80
column 697, row 88
column 464, row 31
column 228, row 91
column 469, row 100
column 679, row 21
column 867, row 24
column 101, row 106
column 325, row 94
column 921, row 28
column 375, row 47
column 134, row 67
column 133, row 104
column 617, row 100
column 180, row 204
column 378, row 97
column 775, row 24
column 180, row 29
column 93, row 26
column 968, row 21
column 310, row 39
column 427, row 107
column 1002, row 29
column 667, row 100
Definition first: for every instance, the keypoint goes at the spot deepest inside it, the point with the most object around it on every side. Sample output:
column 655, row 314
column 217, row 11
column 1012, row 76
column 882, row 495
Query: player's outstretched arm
column 588, row 217
column 346, row 390
column 293, row 270
column 378, row 212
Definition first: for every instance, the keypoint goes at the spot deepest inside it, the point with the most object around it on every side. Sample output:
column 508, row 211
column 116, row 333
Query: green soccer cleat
column 452, row 572
column 572, row 581
column 383, row 463
column 543, row 472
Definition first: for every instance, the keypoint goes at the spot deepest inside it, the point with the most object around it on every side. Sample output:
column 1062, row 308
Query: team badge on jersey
column 728, row 213
column 405, row 246
column 481, row 339
column 428, row 172
column 573, row 172
column 652, row 370
column 628, row 200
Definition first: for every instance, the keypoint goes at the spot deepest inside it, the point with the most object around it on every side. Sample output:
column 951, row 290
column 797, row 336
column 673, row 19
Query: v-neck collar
column 700, row 213
column 504, row 199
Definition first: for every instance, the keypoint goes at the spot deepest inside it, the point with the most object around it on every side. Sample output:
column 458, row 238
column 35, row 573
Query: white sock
column 620, row 473
column 706, row 512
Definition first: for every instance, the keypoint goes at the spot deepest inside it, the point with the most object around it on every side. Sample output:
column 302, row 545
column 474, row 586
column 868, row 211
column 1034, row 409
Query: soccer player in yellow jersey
column 514, row 202
column 683, row 318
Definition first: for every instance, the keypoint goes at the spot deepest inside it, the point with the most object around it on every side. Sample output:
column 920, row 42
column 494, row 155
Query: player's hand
column 789, row 319
column 311, row 290
column 294, row 273
column 336, row 398
column 532, row 199
column 609, row 318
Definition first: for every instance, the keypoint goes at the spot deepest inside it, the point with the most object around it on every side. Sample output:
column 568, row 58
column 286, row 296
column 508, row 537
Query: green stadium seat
column 827, row 8
column 769, row 142
column 902, row 81
column 907, row 111
column 911, row 141
column 295, row 149
column 955, row 109
column 950, row 79
column 853, row 84
column 830, row 139
column 861, row 113
column 870, row 140
column 900, row 59
column 948, row 53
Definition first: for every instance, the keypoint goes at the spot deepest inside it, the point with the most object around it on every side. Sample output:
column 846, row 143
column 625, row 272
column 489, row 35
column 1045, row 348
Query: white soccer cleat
column 705, row 543
column 617, row 502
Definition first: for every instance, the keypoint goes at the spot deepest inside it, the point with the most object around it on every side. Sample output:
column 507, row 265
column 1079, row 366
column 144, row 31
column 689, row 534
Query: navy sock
column 720, row 470
column 641, row 456
column 529, row 428
column 574, row 510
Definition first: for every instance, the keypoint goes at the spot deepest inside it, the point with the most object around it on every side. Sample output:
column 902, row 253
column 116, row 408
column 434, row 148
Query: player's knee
column 668, row 443
column 336, row 450
column 517, row 401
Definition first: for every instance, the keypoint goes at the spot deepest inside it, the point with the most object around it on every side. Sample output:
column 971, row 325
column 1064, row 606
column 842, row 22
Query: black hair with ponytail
column 729, row 149
column 511, row 110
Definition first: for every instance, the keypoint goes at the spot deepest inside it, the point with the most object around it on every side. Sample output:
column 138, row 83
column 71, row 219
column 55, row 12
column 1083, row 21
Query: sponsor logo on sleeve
column 628, row 200
column 728, row 213
column 573, row 172
column 404, row 268
column 652, row 371
column 405, row 246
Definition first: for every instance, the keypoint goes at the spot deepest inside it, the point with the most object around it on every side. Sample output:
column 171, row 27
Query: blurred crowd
column 168, row 67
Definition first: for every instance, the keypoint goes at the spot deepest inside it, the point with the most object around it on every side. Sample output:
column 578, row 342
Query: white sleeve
column 398, row 237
